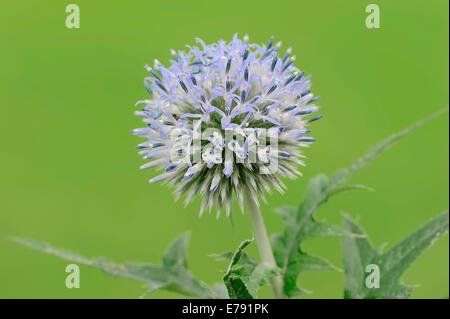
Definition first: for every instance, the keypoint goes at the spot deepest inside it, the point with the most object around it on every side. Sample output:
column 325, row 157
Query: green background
column 69, row 170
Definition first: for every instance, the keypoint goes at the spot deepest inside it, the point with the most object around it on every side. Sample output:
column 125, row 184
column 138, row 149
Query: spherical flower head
column 226, row 118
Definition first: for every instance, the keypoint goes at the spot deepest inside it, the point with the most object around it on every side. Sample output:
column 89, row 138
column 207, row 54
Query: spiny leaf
column 287, row 250
column 172, row 275
column 299, row 224
column 219, row 291
column 237, row 254
column 358, row 253
column 176, row 253
column 342, row 176
column 244, row 275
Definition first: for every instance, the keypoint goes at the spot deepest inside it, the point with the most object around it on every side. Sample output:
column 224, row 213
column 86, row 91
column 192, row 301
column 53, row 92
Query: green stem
column 265, row 250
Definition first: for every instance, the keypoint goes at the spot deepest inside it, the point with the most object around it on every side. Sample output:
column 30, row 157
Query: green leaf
column 244, row 275
column 300, row 224
column 287, row 251
column 172, row 275
column 219, row 291
column 358, row 253
column 342, row 176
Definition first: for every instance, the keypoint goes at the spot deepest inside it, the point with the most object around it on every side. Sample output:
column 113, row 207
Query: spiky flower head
column 226, row 118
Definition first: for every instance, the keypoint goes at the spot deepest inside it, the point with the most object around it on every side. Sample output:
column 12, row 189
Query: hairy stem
column 264, row 248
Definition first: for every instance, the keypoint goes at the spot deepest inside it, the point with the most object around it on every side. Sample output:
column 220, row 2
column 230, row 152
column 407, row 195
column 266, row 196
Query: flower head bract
column 226, row 118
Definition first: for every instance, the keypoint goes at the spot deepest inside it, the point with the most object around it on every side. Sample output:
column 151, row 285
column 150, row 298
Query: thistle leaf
column 300, row 224
column 172, row 275
column 244, row 275
column 342, row 176
column 359, row 253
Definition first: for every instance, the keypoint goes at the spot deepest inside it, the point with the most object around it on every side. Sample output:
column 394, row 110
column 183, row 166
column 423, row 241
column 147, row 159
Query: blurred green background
column 69, row 169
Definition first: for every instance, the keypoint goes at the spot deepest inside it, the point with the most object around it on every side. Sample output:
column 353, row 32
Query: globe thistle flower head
column 226, row 119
